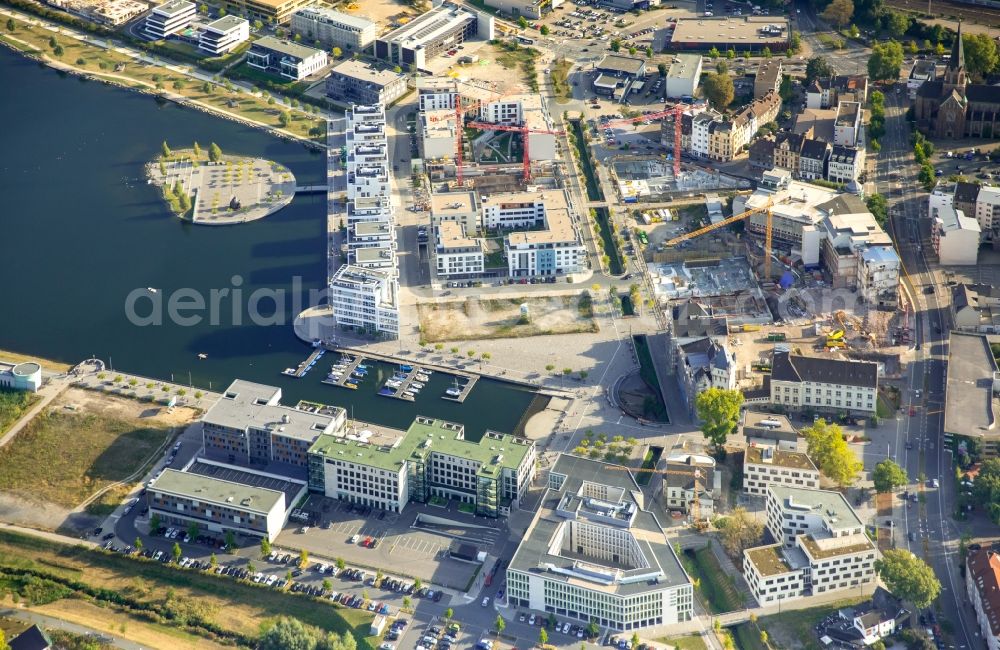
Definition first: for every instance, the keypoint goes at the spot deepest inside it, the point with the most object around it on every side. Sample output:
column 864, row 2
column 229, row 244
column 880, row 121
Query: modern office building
column 982, row 587
column 822, row 547
column 432, row 459
column 823, row 383
column 456, row 254
column 971, row 403
column 683, row 75
column 431, row 34
column 223, row 35
column 169, row 18
column 334, row 29
column 366, row 300
column 249, row 426
column 593, row 553
column 357, row 82
column 460, row 207
column 182, row 498
column 21, row 376
column 767, row 465
column 285, row 59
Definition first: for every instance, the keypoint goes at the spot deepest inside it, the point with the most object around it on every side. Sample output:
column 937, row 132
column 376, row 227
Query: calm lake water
column 81, row 231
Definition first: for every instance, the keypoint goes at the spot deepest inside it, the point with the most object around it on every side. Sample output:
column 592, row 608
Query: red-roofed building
column 982, row 581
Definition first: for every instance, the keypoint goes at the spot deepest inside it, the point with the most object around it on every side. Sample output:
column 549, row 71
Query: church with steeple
column 951, row 107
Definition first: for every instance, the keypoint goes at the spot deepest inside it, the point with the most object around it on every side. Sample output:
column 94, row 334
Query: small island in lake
column 214, row 189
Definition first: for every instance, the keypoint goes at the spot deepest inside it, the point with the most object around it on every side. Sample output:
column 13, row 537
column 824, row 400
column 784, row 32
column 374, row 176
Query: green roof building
column 431, row 460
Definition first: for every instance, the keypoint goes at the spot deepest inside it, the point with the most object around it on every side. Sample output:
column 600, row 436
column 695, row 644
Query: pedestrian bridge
column 310, row 189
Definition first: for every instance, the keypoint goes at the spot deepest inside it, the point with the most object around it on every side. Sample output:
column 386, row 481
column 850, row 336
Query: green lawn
column 693, row 642
column 649, row 461
column 13, row 405
column 746, row 637
column 717, row 588
column 795, row 629
column 648, row 374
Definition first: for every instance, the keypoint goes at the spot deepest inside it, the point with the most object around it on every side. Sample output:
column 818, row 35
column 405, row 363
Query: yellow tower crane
column 766, row 208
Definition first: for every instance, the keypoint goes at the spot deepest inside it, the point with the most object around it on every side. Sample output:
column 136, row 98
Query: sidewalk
column 49, row 392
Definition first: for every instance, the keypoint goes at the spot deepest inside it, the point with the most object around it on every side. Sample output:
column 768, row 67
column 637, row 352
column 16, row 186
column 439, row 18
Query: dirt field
column 82, row 443
column 475, row 319
column 385, row 13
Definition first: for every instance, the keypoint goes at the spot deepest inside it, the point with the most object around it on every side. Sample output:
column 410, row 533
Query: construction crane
column 676, row 111
column 766, row 208
column 461, row 110
column 695, row 473
column 525, row 132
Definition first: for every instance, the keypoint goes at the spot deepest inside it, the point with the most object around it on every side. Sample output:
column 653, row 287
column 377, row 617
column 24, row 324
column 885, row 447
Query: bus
column 525, row 41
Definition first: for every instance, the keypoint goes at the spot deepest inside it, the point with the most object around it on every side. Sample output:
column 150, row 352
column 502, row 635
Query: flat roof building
column 248, row 426
column 223, row 35
column 21, row 376
column 955, row 237
column 334, row 28
column 433, row 33
column 971, row 404
column 822, row 547
column 768, row 77
column 357, row 82
column 683, row 75
column 461, row 207
column 285, row 59
column 431, row 459
column 168, row 19
column 366, row 299
column 616, row 65
column 593, row 552
column 752, row 33
column 456, row 254
column 550, row 242
column 766, row 465
column 182, row 498
column 769, row 429
column 276, row 11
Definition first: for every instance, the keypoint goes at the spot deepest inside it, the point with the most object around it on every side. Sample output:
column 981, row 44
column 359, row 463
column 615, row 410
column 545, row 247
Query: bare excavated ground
column 478, row 319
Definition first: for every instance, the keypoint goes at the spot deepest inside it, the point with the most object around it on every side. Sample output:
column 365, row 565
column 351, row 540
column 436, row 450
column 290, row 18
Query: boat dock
column 349, row 365
column 405, row 383
column 464, row 389
column 306, row 365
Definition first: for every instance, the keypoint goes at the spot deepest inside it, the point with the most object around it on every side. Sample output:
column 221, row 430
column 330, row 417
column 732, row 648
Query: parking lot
column 385, row 539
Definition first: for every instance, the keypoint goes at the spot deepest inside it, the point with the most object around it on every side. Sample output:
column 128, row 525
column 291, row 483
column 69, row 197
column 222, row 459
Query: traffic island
column 220, row 190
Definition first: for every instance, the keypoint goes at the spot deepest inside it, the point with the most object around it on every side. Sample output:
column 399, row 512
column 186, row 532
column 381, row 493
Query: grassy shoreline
column 47, row 364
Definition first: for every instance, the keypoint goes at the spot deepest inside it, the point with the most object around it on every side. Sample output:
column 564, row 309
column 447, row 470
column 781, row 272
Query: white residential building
column 169, row 18
column 456, row 254
column 701, row 126
column 223, row 35
column 334, row 29
column 431, row 459
column 285, row 59
column 823, row 383
column 555, row 249
column 366, row 299
column 845, row 164
column 767, row 465
column 847, row 125
column 593, row 553
column 988, row 208
column 823, row 547
column 954, row 236
column 982, row 586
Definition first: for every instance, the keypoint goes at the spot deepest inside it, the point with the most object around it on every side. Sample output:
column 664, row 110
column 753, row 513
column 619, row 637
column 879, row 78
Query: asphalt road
column 935, row 536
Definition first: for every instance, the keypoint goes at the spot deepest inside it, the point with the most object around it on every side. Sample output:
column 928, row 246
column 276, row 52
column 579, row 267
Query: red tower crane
column 525, row 131
column 676, row 111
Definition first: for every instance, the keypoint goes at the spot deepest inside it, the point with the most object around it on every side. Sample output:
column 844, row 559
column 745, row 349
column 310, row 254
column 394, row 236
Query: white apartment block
column 169, row 18
column 954, row 236
column 701, row 131
column 765, row 465
column 847, row 125
column 593, row 553
column 988, row 207
column 334, row 29
column 821, row 383
column 982, row 586
column 436, row 94
column 823, row 547
column 456, row 254
column 366, row 299
column 223, row 35
column 431, row 459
